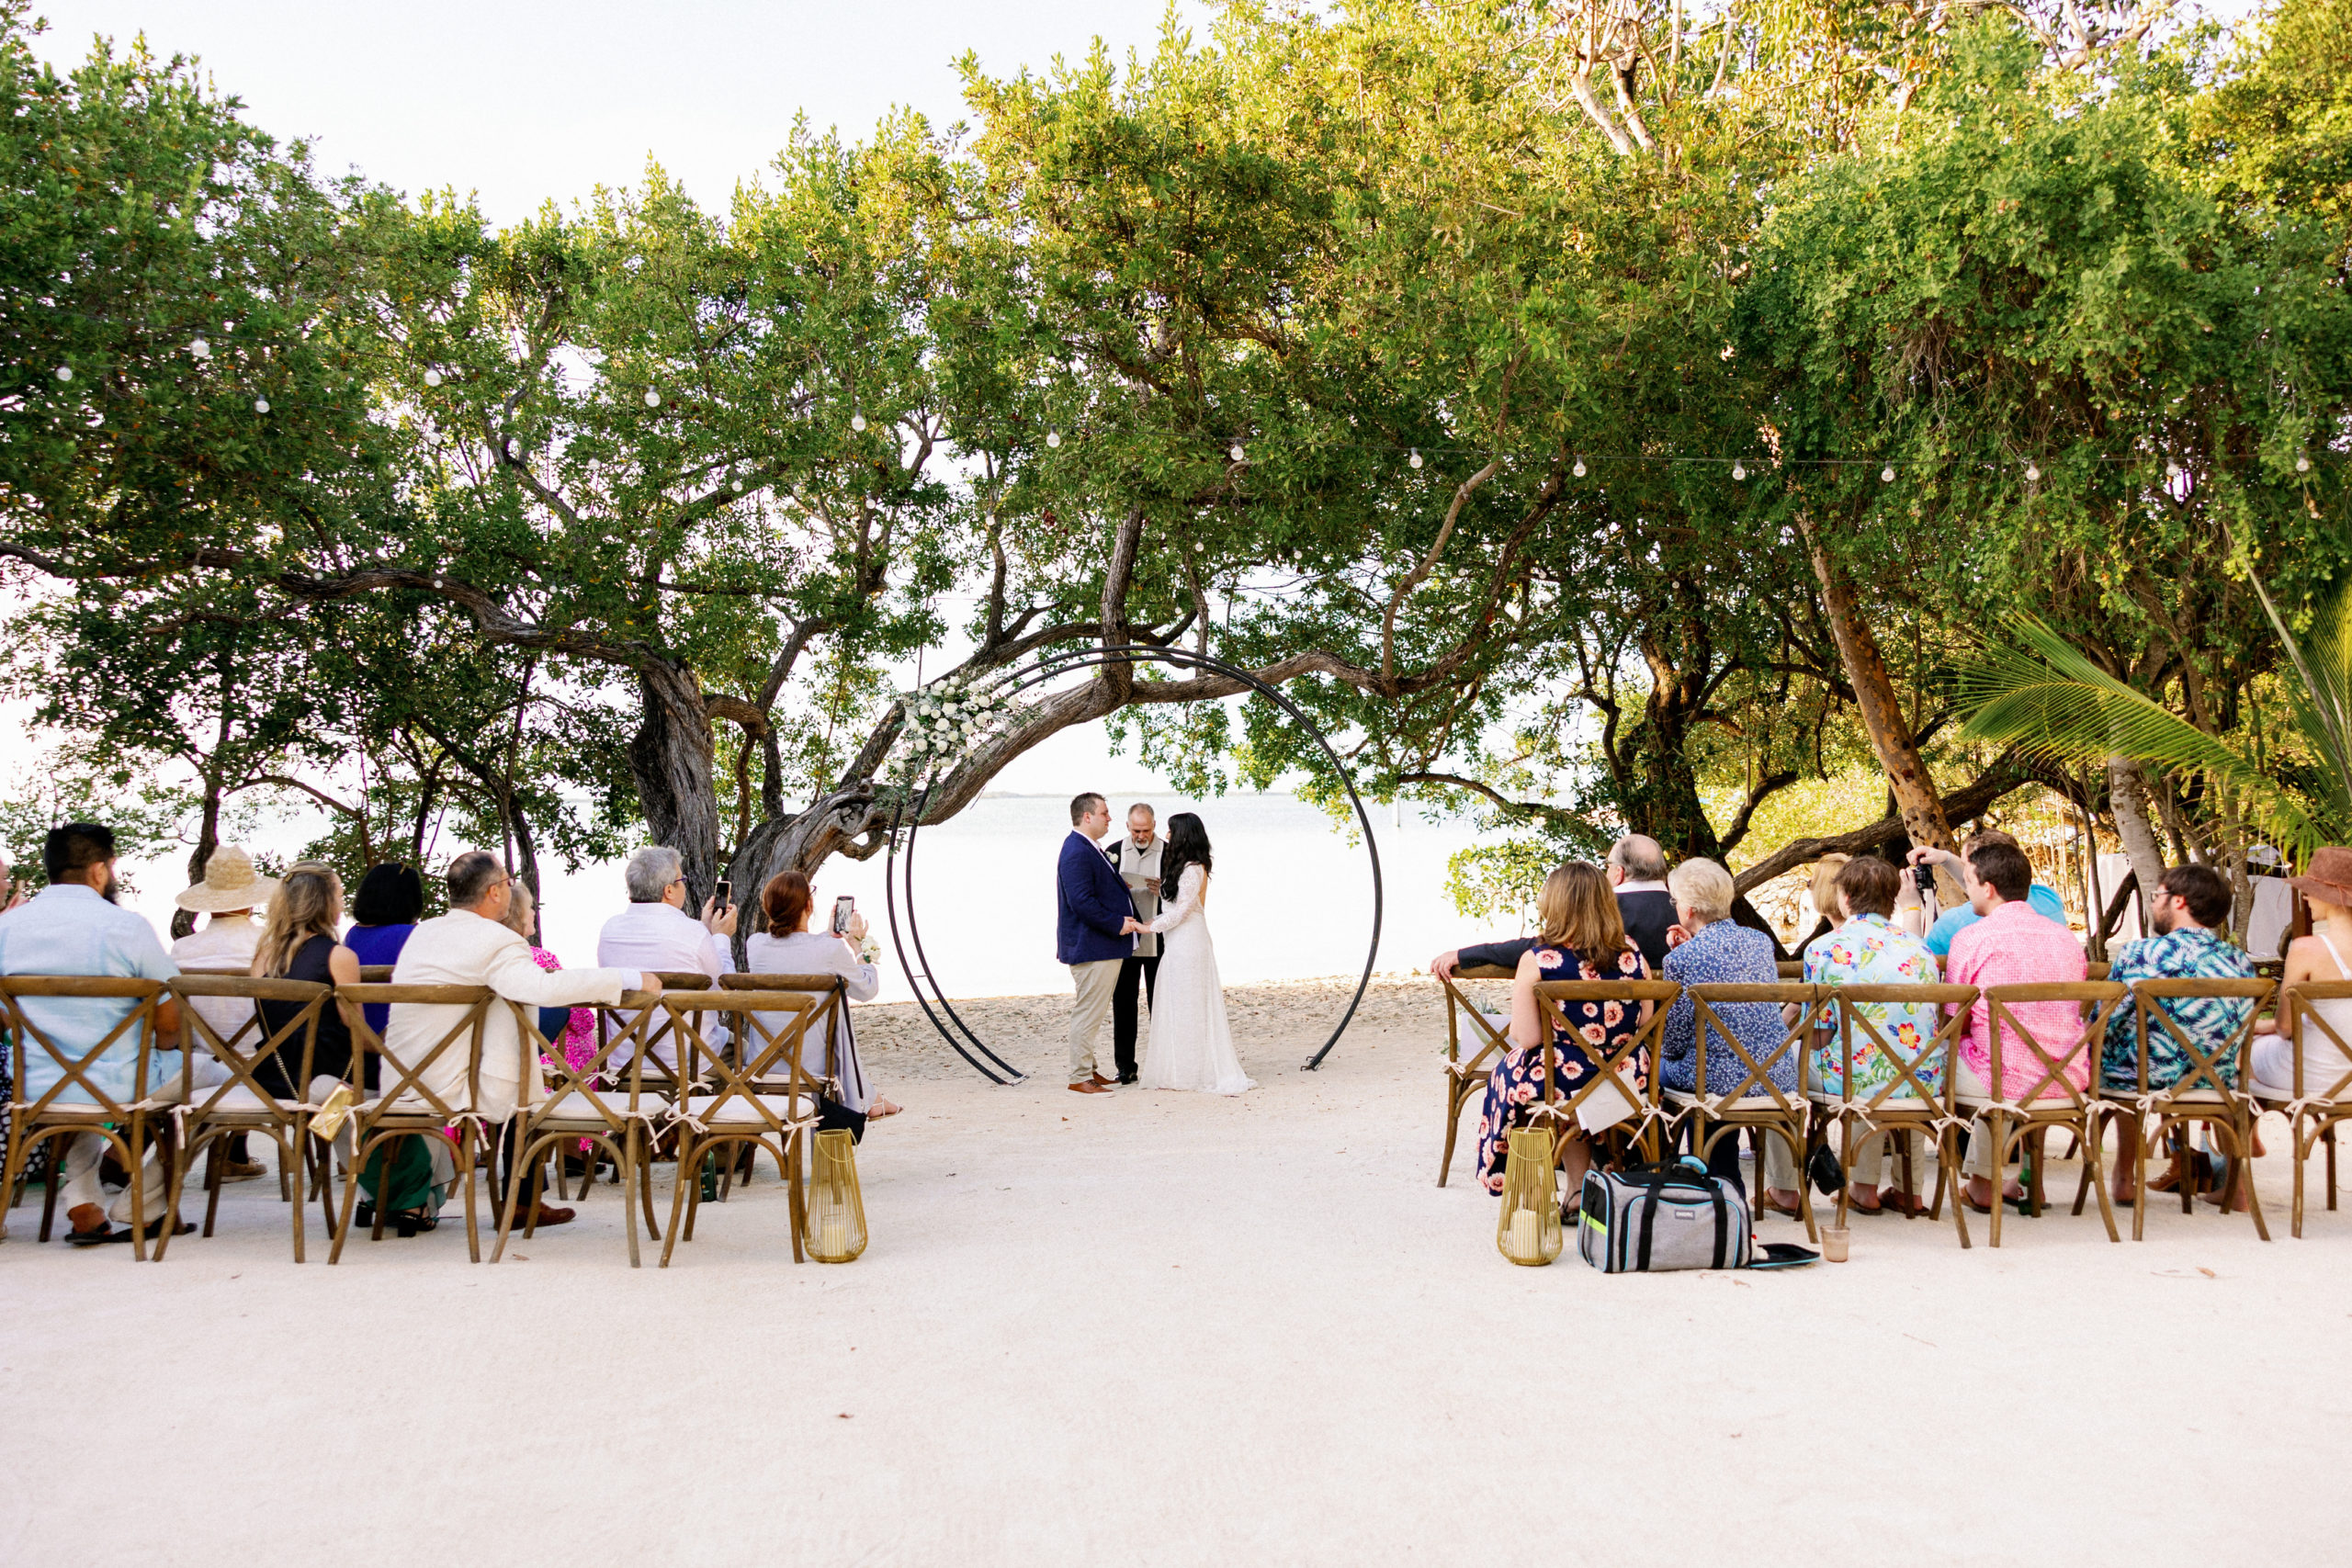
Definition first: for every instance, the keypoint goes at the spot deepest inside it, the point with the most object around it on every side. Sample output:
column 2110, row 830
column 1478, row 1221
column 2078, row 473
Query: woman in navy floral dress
column 1583, row 939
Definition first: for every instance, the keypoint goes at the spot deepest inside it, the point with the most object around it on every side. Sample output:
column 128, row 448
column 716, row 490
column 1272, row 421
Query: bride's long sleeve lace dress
column 1191, row 1046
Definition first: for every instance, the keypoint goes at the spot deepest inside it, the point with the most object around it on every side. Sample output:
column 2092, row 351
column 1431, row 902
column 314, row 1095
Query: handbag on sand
column 1651, row 1218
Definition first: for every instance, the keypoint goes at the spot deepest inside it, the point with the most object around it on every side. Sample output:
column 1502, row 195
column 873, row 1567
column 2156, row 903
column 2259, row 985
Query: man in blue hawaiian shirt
column 2191, row 902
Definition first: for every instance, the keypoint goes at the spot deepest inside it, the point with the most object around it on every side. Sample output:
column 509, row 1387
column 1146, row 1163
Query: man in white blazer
column 468, row 946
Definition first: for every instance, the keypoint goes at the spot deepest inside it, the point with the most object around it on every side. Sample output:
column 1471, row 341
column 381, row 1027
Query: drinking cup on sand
column 1833, row 1242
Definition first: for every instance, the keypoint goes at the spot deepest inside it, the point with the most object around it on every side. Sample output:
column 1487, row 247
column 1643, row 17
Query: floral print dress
column 1517, row 1083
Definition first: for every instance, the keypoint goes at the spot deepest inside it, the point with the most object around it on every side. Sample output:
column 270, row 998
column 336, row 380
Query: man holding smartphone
column 1137, row 858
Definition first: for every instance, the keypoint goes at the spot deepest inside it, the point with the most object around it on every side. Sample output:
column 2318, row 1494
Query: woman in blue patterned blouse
column 1710, row 950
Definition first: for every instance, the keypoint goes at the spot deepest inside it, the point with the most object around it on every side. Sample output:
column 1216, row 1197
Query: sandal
column 882, row 1108
column 169, row 1225
column 105, row 1233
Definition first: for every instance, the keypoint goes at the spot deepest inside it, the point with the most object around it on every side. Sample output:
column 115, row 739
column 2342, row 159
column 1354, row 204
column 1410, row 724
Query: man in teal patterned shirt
column 2190, row 901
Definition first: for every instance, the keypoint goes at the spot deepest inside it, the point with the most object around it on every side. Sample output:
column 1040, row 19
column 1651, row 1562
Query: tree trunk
column 2127, row 796
column 208, row 839
column 1881, row 711
column 671, row 757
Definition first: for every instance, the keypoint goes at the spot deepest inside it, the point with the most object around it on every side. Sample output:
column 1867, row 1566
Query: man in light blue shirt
column 73, row 927
column 2045, row 901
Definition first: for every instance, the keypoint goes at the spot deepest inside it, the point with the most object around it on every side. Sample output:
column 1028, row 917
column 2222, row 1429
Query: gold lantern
column 836, row 1212
column 1528, row 1230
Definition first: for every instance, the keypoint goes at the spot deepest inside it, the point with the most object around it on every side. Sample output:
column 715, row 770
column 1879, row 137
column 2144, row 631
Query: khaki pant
column 1871, row 1154
column 1096, row 982
column 78, row 1175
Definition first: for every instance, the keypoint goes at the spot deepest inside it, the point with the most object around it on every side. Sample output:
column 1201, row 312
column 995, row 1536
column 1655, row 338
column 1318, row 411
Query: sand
column 1153, row 1328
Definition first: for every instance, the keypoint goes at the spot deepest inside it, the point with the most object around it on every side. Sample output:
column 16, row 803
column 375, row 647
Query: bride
column 1192, row 1047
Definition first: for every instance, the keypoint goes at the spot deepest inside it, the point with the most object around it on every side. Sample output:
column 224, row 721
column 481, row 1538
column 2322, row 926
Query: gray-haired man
column 1138, row 860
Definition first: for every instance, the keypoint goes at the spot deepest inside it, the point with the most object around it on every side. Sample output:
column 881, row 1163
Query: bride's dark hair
column 1188, row 844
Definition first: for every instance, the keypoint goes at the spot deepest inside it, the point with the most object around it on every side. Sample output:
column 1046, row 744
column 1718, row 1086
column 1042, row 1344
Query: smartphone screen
column 726, row 893
column 844, row 907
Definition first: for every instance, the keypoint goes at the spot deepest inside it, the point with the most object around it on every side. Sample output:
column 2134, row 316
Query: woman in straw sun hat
column 232, row 890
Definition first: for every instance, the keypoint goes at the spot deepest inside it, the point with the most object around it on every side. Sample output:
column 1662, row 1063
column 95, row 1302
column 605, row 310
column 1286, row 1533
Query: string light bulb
column 199, row 349
column 1578, row 470
column 433, row 377
column 1738, row 469
column 1415, row 460
column 261, row 405
column 2303, row 465
column 2033, row 473
column 857, row 422
column 1237, row 454
column 1886, row 474
column 1053, row 438
column 653, row 398
column 65, row 372
column 2172, row 473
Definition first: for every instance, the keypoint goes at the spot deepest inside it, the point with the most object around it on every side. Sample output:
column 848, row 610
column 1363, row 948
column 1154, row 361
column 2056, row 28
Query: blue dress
column 1517, row 1082
column 1723, row 953
column 376, row 944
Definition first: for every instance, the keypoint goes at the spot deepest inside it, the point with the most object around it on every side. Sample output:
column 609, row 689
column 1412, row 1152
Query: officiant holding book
column 1138, row 861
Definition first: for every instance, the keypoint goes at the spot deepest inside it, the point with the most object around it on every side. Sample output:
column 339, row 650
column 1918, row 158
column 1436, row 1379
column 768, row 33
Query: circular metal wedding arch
column 907, row 818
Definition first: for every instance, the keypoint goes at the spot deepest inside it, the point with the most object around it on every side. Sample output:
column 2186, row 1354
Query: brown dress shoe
column 1105, row 1082
column 1088, row 1086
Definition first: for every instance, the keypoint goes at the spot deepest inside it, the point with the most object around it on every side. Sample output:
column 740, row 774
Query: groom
column 1090, row 933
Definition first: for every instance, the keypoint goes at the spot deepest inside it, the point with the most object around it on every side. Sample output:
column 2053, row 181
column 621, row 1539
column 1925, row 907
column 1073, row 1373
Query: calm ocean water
column 1291, row 897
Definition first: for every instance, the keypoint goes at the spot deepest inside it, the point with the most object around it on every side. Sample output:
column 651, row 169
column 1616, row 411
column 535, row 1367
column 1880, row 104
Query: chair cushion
column 242, row 1102
column 736, row 1111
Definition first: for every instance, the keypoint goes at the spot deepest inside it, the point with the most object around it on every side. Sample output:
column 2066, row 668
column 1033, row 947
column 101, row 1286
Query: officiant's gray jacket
column 1134, row 862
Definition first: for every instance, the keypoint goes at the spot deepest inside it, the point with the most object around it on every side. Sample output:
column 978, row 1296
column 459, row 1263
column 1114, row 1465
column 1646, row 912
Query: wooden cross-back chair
column 245, row 1104
column 759, row 1097
column 1465, row 1075
column 579, row 1104
column 669, row 1080
column 830, row 992
column 2321, row 1101
column 1916, row 1099
column 399, row 1105
column 1636, row 1057
column 1756, row 1103
column 124, row 1124
column 2051, row 1101
column 2202, row 1093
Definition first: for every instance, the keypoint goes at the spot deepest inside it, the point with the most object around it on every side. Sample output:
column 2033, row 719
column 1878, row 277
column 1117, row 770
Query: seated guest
column 789, row 947
column 227, row 896
column 571, row 1031
column 2190, row 901
column 2326, row 887
column 73, row 927
column 470, row 946
column 1823, row 888
column 656, row 933
column 1866, row 948
column 1581, row 936
column 390, row 903
column 2010, row 943
column 1636, row 869
column 299, row 942
column 1710, row 950
column 2046, row 900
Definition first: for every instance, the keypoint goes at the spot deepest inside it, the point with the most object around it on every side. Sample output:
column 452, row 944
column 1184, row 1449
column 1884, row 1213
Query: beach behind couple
column 1137, row 913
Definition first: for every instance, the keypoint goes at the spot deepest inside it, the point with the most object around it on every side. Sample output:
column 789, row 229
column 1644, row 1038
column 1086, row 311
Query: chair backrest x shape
column 75, row 1066
column 401, row 1077
column 1635, row 1052
column 1933, row 1055
column 584, row 1084
column 2098, row 998
column 291, row 1045
column 1811, row 1002
column 1490, row 1041
column 765, row 1048
column 2297, row 1010
column 829, row 992
column 2204, row 1062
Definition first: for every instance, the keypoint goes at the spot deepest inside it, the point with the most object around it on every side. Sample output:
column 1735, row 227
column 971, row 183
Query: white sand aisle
column 1163, row 1330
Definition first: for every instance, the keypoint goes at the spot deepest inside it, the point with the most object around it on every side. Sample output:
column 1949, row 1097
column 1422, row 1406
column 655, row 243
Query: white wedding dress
column 1192, row 1046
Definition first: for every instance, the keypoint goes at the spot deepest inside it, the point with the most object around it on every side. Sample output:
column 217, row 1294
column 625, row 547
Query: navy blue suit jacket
column 1094, row 905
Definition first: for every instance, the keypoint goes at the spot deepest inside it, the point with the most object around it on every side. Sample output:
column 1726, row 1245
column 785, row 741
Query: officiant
column 1137, row 859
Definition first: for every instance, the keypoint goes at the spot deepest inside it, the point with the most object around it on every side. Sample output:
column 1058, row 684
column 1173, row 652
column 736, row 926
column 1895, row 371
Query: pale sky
column 523, row 100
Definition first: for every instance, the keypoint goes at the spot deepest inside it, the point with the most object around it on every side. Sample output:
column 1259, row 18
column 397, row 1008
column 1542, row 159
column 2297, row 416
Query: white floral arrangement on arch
column 948, row 719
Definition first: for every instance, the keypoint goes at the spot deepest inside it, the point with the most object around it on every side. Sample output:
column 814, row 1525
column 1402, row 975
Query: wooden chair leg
column 213, row 1171
column 2330, row 1135
column 1452, row 1129
column 677, row 1201
column 2000, row 1177
column 2294, row 1147
column 51, row 1175
column 286, row 1157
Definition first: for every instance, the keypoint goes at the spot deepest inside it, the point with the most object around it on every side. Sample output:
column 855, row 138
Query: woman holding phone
column 788, row 947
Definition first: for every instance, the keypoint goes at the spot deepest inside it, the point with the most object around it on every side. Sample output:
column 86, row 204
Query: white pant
column 1968, row 1086
column 1096, row 982
column 1869, row 1155
column 85, row 1150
